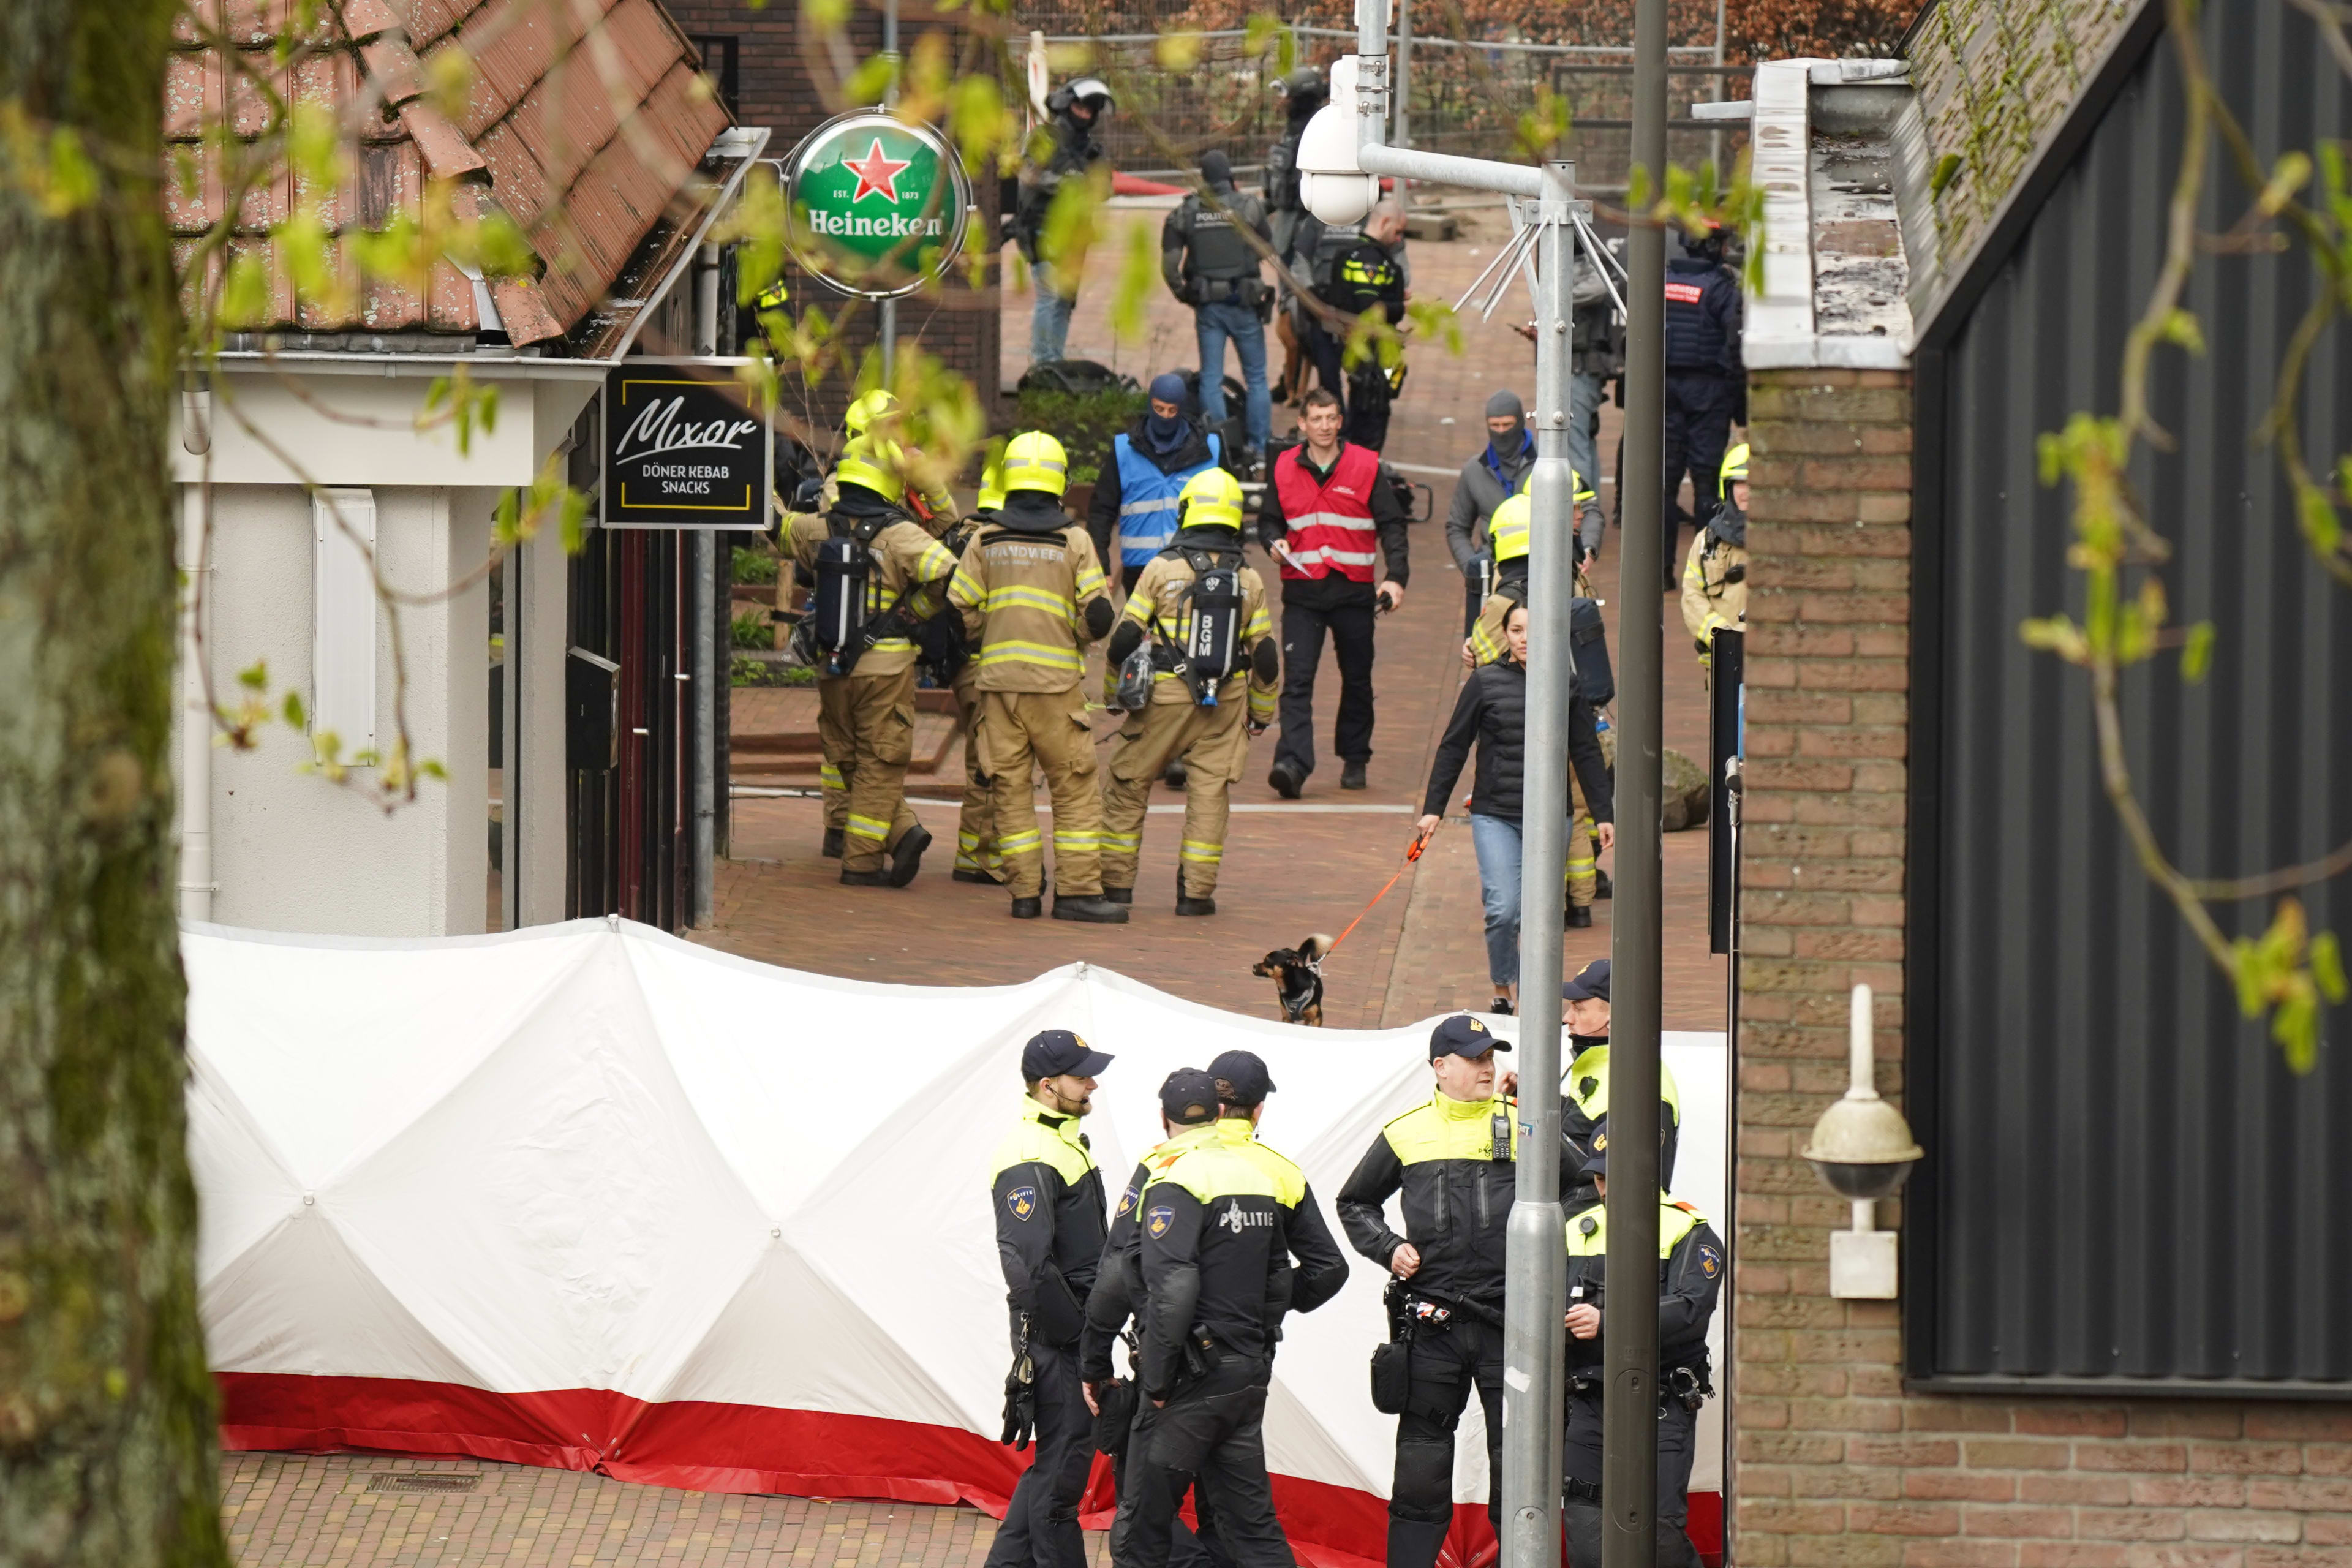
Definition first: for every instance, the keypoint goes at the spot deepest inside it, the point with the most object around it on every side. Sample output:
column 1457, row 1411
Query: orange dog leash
column 1420, row 843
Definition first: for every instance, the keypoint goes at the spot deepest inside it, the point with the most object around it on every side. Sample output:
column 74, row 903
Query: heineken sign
column 874, row 205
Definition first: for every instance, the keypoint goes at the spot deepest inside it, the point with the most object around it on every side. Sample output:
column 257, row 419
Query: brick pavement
column 1287, row 873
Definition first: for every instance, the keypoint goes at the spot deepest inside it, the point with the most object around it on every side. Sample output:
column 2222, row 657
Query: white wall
column 292, row 852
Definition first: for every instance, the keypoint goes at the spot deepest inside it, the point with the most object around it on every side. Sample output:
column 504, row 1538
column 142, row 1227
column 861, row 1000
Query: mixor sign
column 681, row 450
column 874, row 205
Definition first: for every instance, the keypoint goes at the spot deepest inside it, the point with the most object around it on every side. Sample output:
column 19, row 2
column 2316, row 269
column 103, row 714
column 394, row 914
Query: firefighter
column 1031, row 594
column 1690, row 1281
column 1047, row 1195
column 1198, row 616
column 1715, row 576
column 869, row 563
column 977, row 858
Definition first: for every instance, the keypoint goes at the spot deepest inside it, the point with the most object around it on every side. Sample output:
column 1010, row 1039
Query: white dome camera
column 1331, row 178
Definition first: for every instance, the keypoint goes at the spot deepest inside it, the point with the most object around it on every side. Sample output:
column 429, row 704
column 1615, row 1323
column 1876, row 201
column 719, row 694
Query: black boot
column 968, row 874
column 1580, row 916
column 1351, row 775
column 1119, row 895
column 832, row 850
column 1286, row 780
column 907, row 855
column 1028, row 909
column 1174, row 775
column 1188, row 905
column 1091, row 908
column 864, row 879
column 1603, row 887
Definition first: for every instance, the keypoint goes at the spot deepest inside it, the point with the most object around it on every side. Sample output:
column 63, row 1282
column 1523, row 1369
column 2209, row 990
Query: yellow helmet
column 875, row 467
column 1507, row 531
column 875, row 404
column 1734, row 463
column 1035, row 461
column 1211, row 499
column 1576, row 481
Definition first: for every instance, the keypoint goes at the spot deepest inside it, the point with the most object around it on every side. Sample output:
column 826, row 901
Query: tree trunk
column 105, row 1409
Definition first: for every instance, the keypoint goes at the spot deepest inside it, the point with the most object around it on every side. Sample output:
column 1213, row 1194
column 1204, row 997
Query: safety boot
column 1028, row 909
column 1579, row 915
column 1351, row 775
column 864, row 879
column 832, row 850
column 1286, row 780
column 1089, row 906
column 1603, row 887
column 966, row 874
column 1119, row 895
column 907, row 855
column 1188, row 905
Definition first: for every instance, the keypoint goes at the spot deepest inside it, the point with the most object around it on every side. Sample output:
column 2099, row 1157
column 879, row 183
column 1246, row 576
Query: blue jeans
column 1584, row 390
column 1496, row 840
column 1049, row 321
column 1213, row 324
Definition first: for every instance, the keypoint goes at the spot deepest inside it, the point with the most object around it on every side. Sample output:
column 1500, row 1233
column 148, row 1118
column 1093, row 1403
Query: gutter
column 744, row 144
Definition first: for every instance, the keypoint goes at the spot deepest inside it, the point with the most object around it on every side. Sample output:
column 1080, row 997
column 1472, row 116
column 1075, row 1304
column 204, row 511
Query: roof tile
column 447, row 154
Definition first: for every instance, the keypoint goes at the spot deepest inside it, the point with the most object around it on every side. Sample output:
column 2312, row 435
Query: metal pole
column 1715, row 139
column 1403, row 80
column 887, row 317
column 1629, row 1482
column 701, row 558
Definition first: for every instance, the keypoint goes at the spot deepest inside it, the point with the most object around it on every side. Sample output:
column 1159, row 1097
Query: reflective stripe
column 1123, row 840
column 1259, row 625
column 1011, row 652
column 1076, row 840
column 1353, row 524
column 869, row 827
column 1327, row 552
column 1195, row 850
column 1128, row 508
column 830, row 777
column 1029, row 597
column 1090, row 582
column 1020, row 843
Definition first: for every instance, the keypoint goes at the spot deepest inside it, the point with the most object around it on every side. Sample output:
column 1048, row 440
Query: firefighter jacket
column 1328, row 519
column 1159, row 610
column 1690, row 1278
column 1032, row 595
column 1215, row 1261
column 1455, row 1161
column 1584, row 1115
column 908, row 568
column 1133, row 513
column 1205, row 256
column 1714, row 578
column 936, row 512
column 1048, row 1198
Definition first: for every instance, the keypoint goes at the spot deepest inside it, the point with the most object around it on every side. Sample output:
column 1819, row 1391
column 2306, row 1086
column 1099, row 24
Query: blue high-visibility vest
column 1147, row 498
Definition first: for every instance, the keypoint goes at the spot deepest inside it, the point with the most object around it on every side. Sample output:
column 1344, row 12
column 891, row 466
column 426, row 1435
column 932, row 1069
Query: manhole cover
column 423, row 1481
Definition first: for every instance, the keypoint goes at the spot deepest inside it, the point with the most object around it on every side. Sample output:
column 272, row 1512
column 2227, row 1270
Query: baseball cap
column 1240, row 1078
column 1189, row 1097
column 1057, row 1053
column 1592, row 981
column 1463, row 1036
column 1597, row 1163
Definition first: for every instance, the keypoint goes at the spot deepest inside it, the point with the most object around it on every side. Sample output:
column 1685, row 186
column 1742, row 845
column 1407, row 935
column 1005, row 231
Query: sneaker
column 1090, row 908
column 832, row 850
column 1500, row 1005
column 907, row 856
column 1579, row 915
column 1028, row 909
column 1119, row 895
column 1188, row 905
column 1351, row 775
column 1286, row 780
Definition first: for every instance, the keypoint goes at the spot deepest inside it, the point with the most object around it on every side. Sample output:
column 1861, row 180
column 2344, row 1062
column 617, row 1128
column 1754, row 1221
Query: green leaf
column 871, row 83
column 72, row 182
column 2197, row 652
column 2321, row 526
column 245, row 292
column 2245, row 970
column 255, row 677
column 2180, row 328
column 2295, row 1027
column 2327, row 967
column 296, row 718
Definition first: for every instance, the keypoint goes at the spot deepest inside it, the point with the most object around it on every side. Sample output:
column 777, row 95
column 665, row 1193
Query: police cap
column 1590, row 982
column 1597, row 1163
column 1057, row 1053
column 1241, row 1079
column 1463, row 1036
column 1189, row 1097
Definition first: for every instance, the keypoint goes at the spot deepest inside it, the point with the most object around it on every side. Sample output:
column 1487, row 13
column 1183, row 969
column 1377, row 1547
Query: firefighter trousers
column 976, row 830
column 868, row 722
column 1215, row 745
column 1021, row 734
column 1583, row 860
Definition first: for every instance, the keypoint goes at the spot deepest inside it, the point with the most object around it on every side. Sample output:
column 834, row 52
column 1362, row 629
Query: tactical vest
column 1148, row 495
column 1214, row 249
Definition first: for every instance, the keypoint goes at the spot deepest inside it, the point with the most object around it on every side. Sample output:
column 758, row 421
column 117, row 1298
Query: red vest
column 1330, row 522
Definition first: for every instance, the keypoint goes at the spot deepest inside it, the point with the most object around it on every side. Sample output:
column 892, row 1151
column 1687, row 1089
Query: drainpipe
column 196, row 884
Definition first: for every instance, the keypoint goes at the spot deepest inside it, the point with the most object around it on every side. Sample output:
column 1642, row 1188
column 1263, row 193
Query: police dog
column 1298, row 977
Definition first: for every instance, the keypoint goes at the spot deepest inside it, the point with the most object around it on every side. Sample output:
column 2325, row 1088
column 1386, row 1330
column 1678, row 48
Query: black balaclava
column 1216, row 170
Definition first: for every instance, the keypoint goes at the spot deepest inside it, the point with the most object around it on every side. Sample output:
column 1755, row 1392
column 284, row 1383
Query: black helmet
column 1088, row 90
column 1304, row 90
column 1707, row 245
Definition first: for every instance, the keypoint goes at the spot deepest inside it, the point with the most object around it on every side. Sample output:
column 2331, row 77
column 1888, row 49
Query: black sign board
column 682, row 449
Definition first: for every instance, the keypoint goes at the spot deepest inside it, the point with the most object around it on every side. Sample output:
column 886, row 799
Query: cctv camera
column 1861, row 1147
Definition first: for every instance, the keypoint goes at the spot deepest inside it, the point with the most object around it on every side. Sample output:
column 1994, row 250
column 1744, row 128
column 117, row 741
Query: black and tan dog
column 1298, row 977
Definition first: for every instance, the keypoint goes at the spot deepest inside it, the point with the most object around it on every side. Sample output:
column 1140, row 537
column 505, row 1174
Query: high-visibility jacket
column 1690, row 1278
column 1028, row 592
column 1584, row 1116
column 1049, row 1220
column 1331, row 520
column 1214, row 1253
column 1455, row 1164
column 1148, row 495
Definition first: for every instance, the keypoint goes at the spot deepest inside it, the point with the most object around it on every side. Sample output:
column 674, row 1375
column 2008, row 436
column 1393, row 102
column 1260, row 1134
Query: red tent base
column 705, row 1446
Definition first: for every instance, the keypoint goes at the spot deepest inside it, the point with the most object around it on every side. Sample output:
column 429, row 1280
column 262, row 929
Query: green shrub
column 1083, row 425
column 755, row 564
column 752, row 629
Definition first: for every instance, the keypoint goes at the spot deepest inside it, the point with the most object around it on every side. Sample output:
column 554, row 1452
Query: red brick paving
column 1287, row 873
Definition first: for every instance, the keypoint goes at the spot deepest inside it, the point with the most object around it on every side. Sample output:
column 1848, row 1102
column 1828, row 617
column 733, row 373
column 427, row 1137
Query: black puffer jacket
column 1492, row 710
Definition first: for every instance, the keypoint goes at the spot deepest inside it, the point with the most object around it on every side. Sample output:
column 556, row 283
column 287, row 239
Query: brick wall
column 1835, row 1466
column 959, row 325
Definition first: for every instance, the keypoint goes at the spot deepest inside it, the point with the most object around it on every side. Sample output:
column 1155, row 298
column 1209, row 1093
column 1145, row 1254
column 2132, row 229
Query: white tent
column 588, row 1196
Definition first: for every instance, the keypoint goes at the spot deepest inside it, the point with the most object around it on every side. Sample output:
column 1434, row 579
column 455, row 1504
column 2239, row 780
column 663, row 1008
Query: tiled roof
column 583, row 122
column 1994, row 82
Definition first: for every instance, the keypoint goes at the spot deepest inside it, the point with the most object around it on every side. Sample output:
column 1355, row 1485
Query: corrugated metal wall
column 2125, row 1182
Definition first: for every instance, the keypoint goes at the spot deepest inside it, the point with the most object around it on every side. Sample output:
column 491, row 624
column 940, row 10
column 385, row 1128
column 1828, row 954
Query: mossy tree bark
column 105, row 1409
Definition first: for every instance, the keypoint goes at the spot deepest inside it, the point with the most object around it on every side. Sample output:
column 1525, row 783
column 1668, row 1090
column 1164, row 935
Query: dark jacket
column 1075, row 149
column 1492, row 710
column 1455, row 1164
column 1488, row 480
column 1690, row 1278
column 1204, row 257
column 1102, row 511
column 1388, row 517
column 1215, row 1264
column 1048, row 1198
column 1702, row 314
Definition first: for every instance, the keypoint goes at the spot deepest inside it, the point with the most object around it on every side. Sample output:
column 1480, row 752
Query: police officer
column 1032, row 594
column 870, row 563
column 1584, row 1011
column 1367, row 275
column 1598, row 356
column 1453, row 1159
column 1133, row 513
column 1048, row 1198
column 1214, row 1236
column 1715, row 576
column 977, row 858
column 1071, row 143
column 1690, row 1278
column 1195, row 605
column 1325, row 503
column 1302, row 92
column 1207, row 258
column 1243, row 1084
column 1705, row 379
